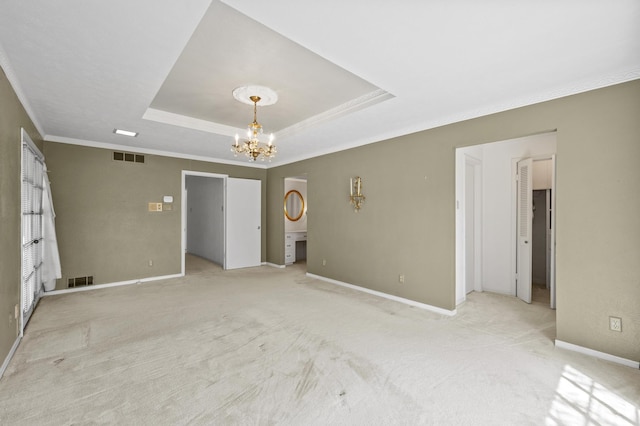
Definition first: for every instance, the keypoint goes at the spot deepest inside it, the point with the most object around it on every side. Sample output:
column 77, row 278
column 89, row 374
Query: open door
column 243, row 223
column 524, row 224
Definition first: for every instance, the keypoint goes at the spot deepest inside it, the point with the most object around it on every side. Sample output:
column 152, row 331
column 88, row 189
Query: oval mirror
column 293, row 205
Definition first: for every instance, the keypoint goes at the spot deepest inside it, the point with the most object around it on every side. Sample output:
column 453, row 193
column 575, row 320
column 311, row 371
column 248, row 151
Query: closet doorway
column 493, row 197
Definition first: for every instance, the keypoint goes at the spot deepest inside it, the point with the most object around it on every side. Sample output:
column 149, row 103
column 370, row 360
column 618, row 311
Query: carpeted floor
column 270, row 346
column 540, row 294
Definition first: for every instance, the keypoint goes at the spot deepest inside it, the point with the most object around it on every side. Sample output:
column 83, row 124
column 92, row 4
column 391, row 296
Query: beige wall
column 407, row 224
column 103, row 224
column 12, row 118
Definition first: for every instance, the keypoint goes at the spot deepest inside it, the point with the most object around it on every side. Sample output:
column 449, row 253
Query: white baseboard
column 273, row 265
column 116, row 284
column 387, row 296
column 597, row 354
column 5, row 364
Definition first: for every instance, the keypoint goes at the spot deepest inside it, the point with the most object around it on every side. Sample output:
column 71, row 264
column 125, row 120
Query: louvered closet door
column 524, row 224
column 32, row 170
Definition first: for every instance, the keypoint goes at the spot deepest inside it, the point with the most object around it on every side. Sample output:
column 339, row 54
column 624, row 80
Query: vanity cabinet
column 290, row 239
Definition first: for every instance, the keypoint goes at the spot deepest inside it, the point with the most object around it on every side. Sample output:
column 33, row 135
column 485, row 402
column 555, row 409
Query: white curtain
column 51, row 258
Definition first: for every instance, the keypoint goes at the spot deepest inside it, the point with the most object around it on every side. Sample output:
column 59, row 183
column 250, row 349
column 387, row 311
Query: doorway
column 541, row 247
column 205, row 221
column 221, row 219
column 493, row 264
column 296, row 204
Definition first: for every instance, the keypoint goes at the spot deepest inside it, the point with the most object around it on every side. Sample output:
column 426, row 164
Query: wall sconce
column 355, row 191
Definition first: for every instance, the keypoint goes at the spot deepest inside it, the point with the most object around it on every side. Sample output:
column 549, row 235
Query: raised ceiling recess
column 229, row 50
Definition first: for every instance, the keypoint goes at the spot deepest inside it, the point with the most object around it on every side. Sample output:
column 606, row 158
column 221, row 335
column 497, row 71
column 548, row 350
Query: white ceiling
column 347, row 73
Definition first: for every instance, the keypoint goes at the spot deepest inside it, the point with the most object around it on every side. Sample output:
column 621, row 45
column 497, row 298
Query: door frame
column 183, row 201
column 297, row 178
column 462, row 160
column 476, row 164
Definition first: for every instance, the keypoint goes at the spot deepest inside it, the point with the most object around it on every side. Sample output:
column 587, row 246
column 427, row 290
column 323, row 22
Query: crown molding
column 373, row 97
column 369, row 99
column 565, row 91
column 128, row 148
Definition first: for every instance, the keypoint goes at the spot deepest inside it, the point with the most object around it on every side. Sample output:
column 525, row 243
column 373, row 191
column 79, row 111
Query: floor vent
column 80, row 281
column 128, row 157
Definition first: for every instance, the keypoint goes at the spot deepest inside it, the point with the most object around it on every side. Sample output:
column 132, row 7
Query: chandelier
column 252, row 147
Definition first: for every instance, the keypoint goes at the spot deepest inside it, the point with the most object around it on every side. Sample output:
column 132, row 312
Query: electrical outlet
column 615, row 324
column 401, row 278
column 150, row 262
column 324, row 262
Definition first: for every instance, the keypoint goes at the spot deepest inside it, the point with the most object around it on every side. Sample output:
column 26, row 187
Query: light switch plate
column 155, row 207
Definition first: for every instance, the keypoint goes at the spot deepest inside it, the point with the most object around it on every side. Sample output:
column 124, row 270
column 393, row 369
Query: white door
column 243, row 220
column 524, row 224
